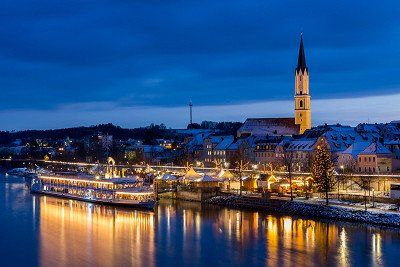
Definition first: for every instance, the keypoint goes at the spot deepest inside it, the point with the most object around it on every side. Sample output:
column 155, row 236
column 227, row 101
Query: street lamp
column 342, row 168
column 373, row 197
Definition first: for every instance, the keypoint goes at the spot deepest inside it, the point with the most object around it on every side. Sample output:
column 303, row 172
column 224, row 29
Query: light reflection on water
column 87, row 233
column 46, row 231
column 181, row 233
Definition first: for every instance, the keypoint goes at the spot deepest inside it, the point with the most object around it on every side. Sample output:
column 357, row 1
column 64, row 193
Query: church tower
column 302, row 99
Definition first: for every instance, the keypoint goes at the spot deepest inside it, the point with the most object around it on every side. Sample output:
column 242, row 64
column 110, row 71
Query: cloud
column 163, row 53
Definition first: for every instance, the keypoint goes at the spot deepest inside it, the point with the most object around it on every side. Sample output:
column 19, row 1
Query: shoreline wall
column 316, row 211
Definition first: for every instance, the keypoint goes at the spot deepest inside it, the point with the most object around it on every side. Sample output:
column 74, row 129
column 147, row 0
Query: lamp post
column 373, row 197
column 240, row 167
column 199, row 164
column 226, row 165
column 338, row 181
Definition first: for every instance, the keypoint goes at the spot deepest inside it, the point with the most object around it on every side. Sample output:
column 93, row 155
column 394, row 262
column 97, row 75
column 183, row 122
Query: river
column 46, row 231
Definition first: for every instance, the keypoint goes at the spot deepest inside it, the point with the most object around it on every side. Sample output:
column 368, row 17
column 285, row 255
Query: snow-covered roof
column 235, row 145
column 356, row 148
column 206, row 178
column 339, row 137
column 168, row 177
column 192, row 131
column 302, row 145
column 394, row 141
column 225, row 174
column 269, row 126
column 191, row 174
column 197, row 142
column 225, row 142
column 375, row 148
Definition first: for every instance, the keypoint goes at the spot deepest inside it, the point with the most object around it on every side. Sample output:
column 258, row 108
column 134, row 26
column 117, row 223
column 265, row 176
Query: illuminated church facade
column 302, row 99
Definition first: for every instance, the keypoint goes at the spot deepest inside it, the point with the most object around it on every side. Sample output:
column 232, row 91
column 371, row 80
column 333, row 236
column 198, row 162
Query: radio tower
column 191, row 112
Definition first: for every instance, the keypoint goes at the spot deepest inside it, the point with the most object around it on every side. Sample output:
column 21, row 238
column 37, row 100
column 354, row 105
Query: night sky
column 71, row 63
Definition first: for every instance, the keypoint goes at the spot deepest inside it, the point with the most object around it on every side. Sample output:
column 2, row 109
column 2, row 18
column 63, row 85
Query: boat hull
column 148, row 205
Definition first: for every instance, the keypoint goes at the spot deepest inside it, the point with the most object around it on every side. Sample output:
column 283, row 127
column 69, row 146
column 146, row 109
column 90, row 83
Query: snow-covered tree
column 322, row 170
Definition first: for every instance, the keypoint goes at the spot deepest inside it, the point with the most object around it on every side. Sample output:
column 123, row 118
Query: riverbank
column 317, row 211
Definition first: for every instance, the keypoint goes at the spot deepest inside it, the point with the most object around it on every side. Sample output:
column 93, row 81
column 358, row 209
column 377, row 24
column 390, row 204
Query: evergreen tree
column 322, row 170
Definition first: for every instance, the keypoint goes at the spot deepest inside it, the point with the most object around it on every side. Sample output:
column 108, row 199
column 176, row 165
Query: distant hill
column 149, row 132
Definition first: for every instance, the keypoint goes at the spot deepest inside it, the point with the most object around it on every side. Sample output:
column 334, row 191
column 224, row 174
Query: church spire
column 301, row 61
column 302, row 98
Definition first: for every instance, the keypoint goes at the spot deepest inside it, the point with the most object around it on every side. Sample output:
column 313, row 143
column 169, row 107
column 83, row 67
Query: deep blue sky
column 112, row 55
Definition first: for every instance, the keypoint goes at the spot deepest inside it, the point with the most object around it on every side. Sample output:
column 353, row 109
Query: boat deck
column 150, row 204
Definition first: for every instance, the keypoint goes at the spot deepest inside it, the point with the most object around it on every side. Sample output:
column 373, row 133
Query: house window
column 301, row 103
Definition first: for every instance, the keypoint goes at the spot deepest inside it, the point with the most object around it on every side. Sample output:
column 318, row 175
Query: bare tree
column 288, row 162
column 364, row 182
column 347, row 170
column 240, row 167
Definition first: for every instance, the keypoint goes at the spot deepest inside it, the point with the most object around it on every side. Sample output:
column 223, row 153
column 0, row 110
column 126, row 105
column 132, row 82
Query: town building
column 376, row 158
column 265, row 150
column 347, row 160
column 301, row 152
column 214, row 148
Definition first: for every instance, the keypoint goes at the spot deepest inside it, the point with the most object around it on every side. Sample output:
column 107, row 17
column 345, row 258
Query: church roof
column 301, row 61
column 269, row 126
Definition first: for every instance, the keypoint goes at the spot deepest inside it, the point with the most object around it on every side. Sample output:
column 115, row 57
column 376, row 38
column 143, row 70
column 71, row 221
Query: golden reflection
column 297, row 240
column 377, row 249
column 81, row 232
column 343, row 249
column 76, row 231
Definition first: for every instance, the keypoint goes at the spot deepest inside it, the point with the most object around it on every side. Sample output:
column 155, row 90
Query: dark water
column 45, row 231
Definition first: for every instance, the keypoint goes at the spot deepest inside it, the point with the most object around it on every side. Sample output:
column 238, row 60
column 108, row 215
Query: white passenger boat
column 116, row 191
column 20, row 172
column 26, row 171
